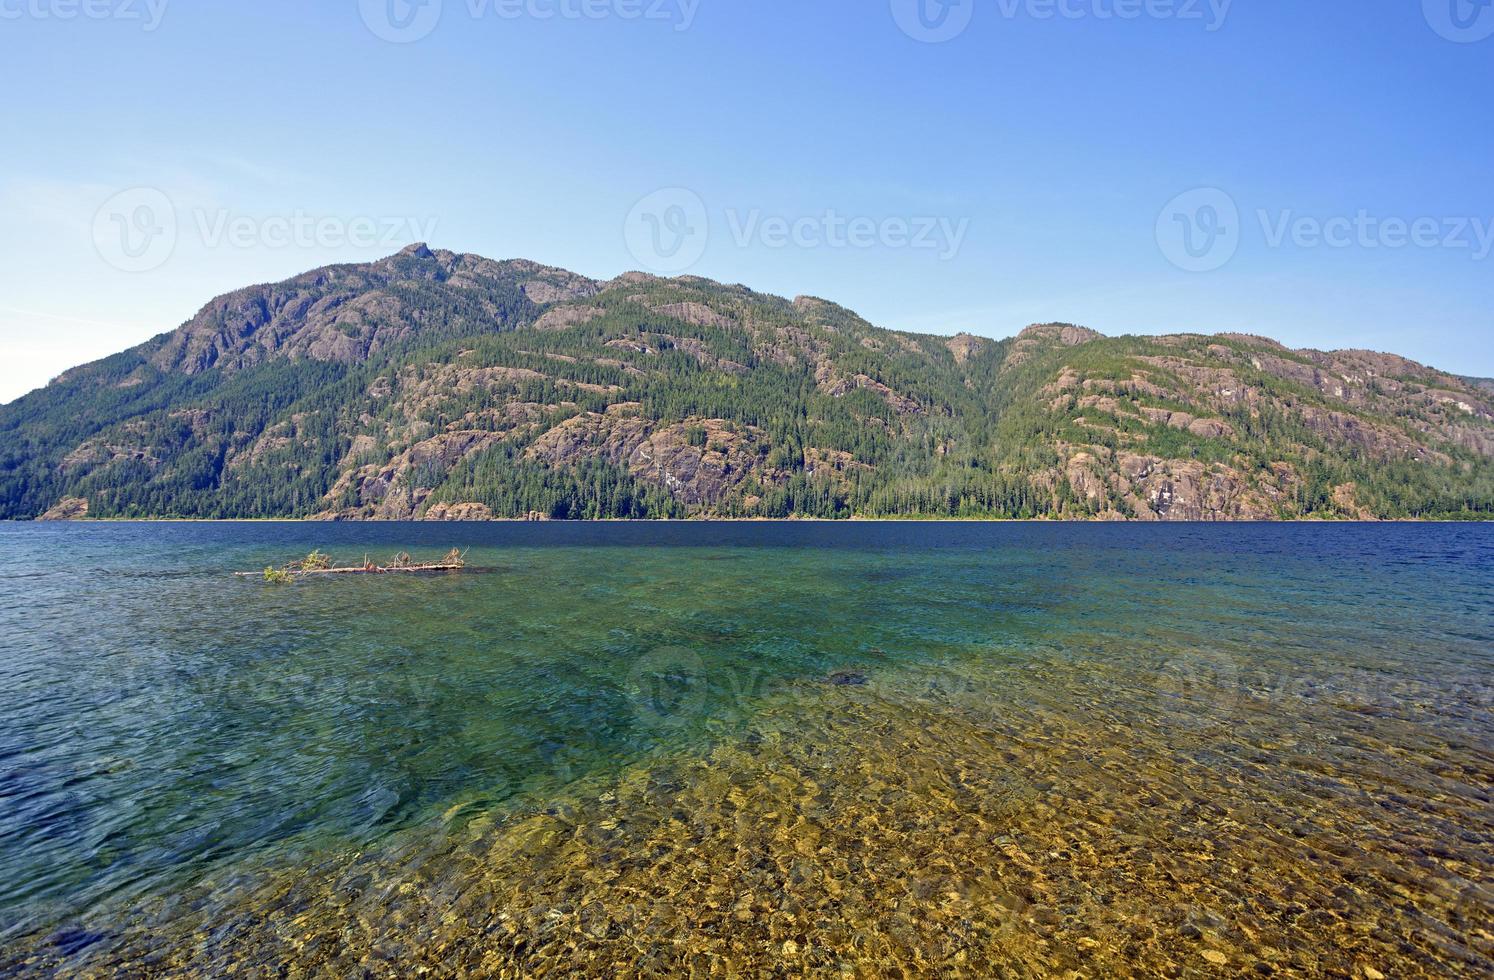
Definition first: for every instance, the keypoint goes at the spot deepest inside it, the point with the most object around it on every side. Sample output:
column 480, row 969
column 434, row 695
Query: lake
column 833, row 748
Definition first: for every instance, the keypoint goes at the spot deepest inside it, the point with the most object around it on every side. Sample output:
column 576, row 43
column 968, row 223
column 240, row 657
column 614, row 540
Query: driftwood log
column 361, row 570
column 319, row 564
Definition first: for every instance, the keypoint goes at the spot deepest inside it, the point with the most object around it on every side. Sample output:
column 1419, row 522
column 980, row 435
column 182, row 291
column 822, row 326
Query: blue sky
column 1319, row 172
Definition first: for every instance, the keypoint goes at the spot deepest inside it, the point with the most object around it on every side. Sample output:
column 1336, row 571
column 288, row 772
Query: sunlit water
column 847, row 749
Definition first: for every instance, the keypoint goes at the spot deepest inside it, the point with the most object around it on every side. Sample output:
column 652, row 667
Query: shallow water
column 864, row 749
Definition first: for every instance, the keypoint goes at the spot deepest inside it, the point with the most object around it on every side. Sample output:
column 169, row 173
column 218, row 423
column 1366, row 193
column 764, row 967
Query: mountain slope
column 437, row 385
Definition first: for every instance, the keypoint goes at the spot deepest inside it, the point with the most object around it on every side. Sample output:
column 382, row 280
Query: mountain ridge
column 440, row 385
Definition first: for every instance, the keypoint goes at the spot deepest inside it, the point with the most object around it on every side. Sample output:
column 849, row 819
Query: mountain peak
column 345, row 313
column 1067, row 334
column 632, row 278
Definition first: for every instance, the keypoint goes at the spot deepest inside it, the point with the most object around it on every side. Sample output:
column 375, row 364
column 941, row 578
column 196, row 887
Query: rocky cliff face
column 437, row 385
column 1239, row 391
column 67, row 509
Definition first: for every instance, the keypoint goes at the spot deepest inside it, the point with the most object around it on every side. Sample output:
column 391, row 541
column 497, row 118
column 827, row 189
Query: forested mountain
column 445, row 386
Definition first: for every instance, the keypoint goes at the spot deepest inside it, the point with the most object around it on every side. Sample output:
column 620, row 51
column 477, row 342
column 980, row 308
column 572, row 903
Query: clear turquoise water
column 167, row 726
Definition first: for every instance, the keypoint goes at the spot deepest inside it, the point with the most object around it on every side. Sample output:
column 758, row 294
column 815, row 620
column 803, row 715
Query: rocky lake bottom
column 871, row 750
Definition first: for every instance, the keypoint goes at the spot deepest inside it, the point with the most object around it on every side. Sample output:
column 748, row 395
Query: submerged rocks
column 1025, row 822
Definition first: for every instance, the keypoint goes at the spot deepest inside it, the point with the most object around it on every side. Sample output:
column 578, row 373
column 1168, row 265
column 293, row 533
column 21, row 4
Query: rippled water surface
column 854, row 749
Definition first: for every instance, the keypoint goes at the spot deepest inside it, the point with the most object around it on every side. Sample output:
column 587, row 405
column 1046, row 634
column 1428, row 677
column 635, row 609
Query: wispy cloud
column 10, row 315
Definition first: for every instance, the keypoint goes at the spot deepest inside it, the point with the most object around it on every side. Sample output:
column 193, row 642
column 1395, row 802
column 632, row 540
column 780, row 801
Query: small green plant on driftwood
column 317, row 561
column 320, row 563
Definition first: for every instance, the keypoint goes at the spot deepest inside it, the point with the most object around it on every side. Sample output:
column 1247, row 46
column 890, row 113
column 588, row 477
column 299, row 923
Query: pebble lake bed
column 856, row 749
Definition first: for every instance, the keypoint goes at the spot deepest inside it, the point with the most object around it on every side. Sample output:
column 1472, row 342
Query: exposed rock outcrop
column 1040, row 336
column 696, row 314
column 67, row 509
column 459, row 512
column 964, row 346
column 699, row 461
